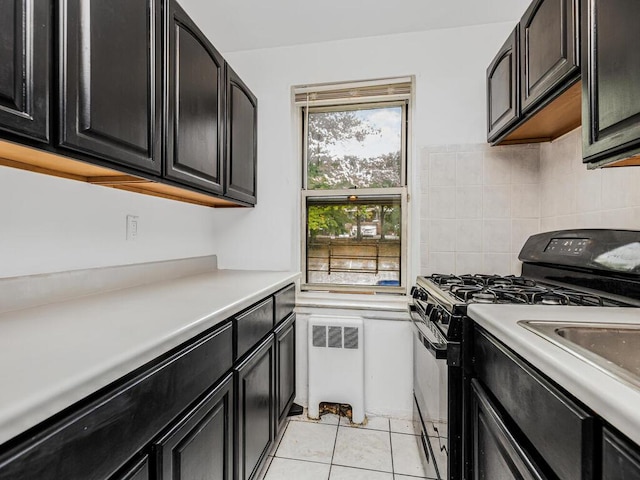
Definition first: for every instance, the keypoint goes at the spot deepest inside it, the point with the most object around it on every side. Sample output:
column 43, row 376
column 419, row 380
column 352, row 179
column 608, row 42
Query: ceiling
column 234, row 25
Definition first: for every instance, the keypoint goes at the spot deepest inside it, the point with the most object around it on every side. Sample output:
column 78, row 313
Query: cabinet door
column 255, row 379
column 200, row 445
column 96, row 439
column 610, row 72
column 24, row 67
column 242, row 134
column 548, row 49
column 503, row 99
column 110, row 68
column 195, row 105
column 138, row 471
column 285, row 367
column 620, row 459
column 496, row 453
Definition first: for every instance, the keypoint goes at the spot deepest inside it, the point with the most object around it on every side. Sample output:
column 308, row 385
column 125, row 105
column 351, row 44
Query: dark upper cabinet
column 242, row 147
column 199, row 445
column 255, row 379
column 610, row 73
column 503, row 98
column 111, row 80
column 548, row 49
column 24, row 67
column 195, row 108
column 285, row 367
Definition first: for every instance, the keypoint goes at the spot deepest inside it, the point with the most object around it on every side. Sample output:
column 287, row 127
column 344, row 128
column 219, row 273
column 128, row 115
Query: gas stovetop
column 591, row 268
column 478, row 288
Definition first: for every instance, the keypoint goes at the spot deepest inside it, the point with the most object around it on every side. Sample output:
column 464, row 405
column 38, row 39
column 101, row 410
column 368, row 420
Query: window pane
column 354, row 243
column 354, row 148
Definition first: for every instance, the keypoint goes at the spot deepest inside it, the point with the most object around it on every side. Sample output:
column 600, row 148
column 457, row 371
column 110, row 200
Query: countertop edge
column 18, row 415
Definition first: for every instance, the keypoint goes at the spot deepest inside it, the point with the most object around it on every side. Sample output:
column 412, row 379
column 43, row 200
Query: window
column 354, row 186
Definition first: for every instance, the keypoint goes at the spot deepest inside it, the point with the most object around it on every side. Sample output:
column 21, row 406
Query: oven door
column 430, row 393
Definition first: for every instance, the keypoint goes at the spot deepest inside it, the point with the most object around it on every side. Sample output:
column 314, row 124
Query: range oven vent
column 336, row 363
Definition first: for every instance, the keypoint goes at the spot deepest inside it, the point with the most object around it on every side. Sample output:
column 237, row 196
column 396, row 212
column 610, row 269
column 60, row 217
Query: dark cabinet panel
column 138, row 471
column 110, row 88
column 200, row 445
column 242, row 147
column 285, row 302
column 569, row 450
column 496, row 453
column 99, row 437
column 252, row 325
column 195, row 96
column 610, row 72
column 255, row 379
column 620, row 459
column 503, row 98
column 24, row 67
column 285, row 367
column 548, row 49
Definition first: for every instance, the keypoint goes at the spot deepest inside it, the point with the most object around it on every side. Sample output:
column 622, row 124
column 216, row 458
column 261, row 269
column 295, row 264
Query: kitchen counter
column 53, row 355
column 615, row 401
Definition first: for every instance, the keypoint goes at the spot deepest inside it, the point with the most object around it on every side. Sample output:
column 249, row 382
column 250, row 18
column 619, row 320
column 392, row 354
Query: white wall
column 449, row 66
column 50, row 224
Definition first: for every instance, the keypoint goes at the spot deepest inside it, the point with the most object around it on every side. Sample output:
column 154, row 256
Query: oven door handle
column 438, row 350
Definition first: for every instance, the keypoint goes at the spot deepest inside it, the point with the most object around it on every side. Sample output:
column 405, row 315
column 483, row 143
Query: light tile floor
column 332, row 449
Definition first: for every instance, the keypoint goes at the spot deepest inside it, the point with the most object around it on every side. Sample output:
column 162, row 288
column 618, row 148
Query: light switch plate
column 132, row 227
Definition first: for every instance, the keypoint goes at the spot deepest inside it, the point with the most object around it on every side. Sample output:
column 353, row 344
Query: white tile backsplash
column 442, row 169
column 486, row 201
column 572, row 196
column 497, row 201
column 469, row 168
column 468, row 202
column 464, row 214
column 442, row 202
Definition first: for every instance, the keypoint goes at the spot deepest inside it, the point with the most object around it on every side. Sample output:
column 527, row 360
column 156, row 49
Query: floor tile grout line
column 302, row 460
column 393, row 467
column 360, row 468
column 333, row 452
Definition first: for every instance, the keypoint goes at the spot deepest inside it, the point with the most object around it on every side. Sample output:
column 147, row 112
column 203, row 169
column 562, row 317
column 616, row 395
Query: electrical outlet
column 132, row 227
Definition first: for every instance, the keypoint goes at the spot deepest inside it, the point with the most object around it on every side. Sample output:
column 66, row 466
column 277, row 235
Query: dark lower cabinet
column 549, row 44
column 285, row 366
column 610, row 72
column 503, row 97
column 195, row 110
column 559, row 430
column 111, row 80
column 189, row 414
column 496, row 453
column 25, row 36
column 242, row 140
column 620, row 459
column 255, row 380
column 199, row 446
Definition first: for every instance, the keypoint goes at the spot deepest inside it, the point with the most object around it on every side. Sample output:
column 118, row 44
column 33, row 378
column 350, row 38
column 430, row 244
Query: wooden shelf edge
column 38, row 161
column 558, row 117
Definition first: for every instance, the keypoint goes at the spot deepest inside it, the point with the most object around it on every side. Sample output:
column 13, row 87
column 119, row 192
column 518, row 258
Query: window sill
column 351, row 301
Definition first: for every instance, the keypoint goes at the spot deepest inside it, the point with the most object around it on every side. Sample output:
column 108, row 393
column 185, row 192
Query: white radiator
column 336, row 363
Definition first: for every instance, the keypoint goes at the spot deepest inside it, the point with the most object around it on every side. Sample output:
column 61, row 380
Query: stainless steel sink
column 613, row 348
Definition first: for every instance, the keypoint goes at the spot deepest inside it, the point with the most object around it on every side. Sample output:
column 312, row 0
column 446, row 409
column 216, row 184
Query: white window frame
column 400, row 191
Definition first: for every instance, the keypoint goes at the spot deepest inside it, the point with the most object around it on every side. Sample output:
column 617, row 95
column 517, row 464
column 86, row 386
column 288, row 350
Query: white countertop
column 53, row 355
column 615, row 401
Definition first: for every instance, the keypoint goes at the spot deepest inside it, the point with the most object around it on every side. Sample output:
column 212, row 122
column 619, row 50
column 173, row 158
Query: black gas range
column 590, row 268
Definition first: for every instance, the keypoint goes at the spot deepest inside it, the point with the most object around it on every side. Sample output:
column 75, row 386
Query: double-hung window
column 354, row 192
